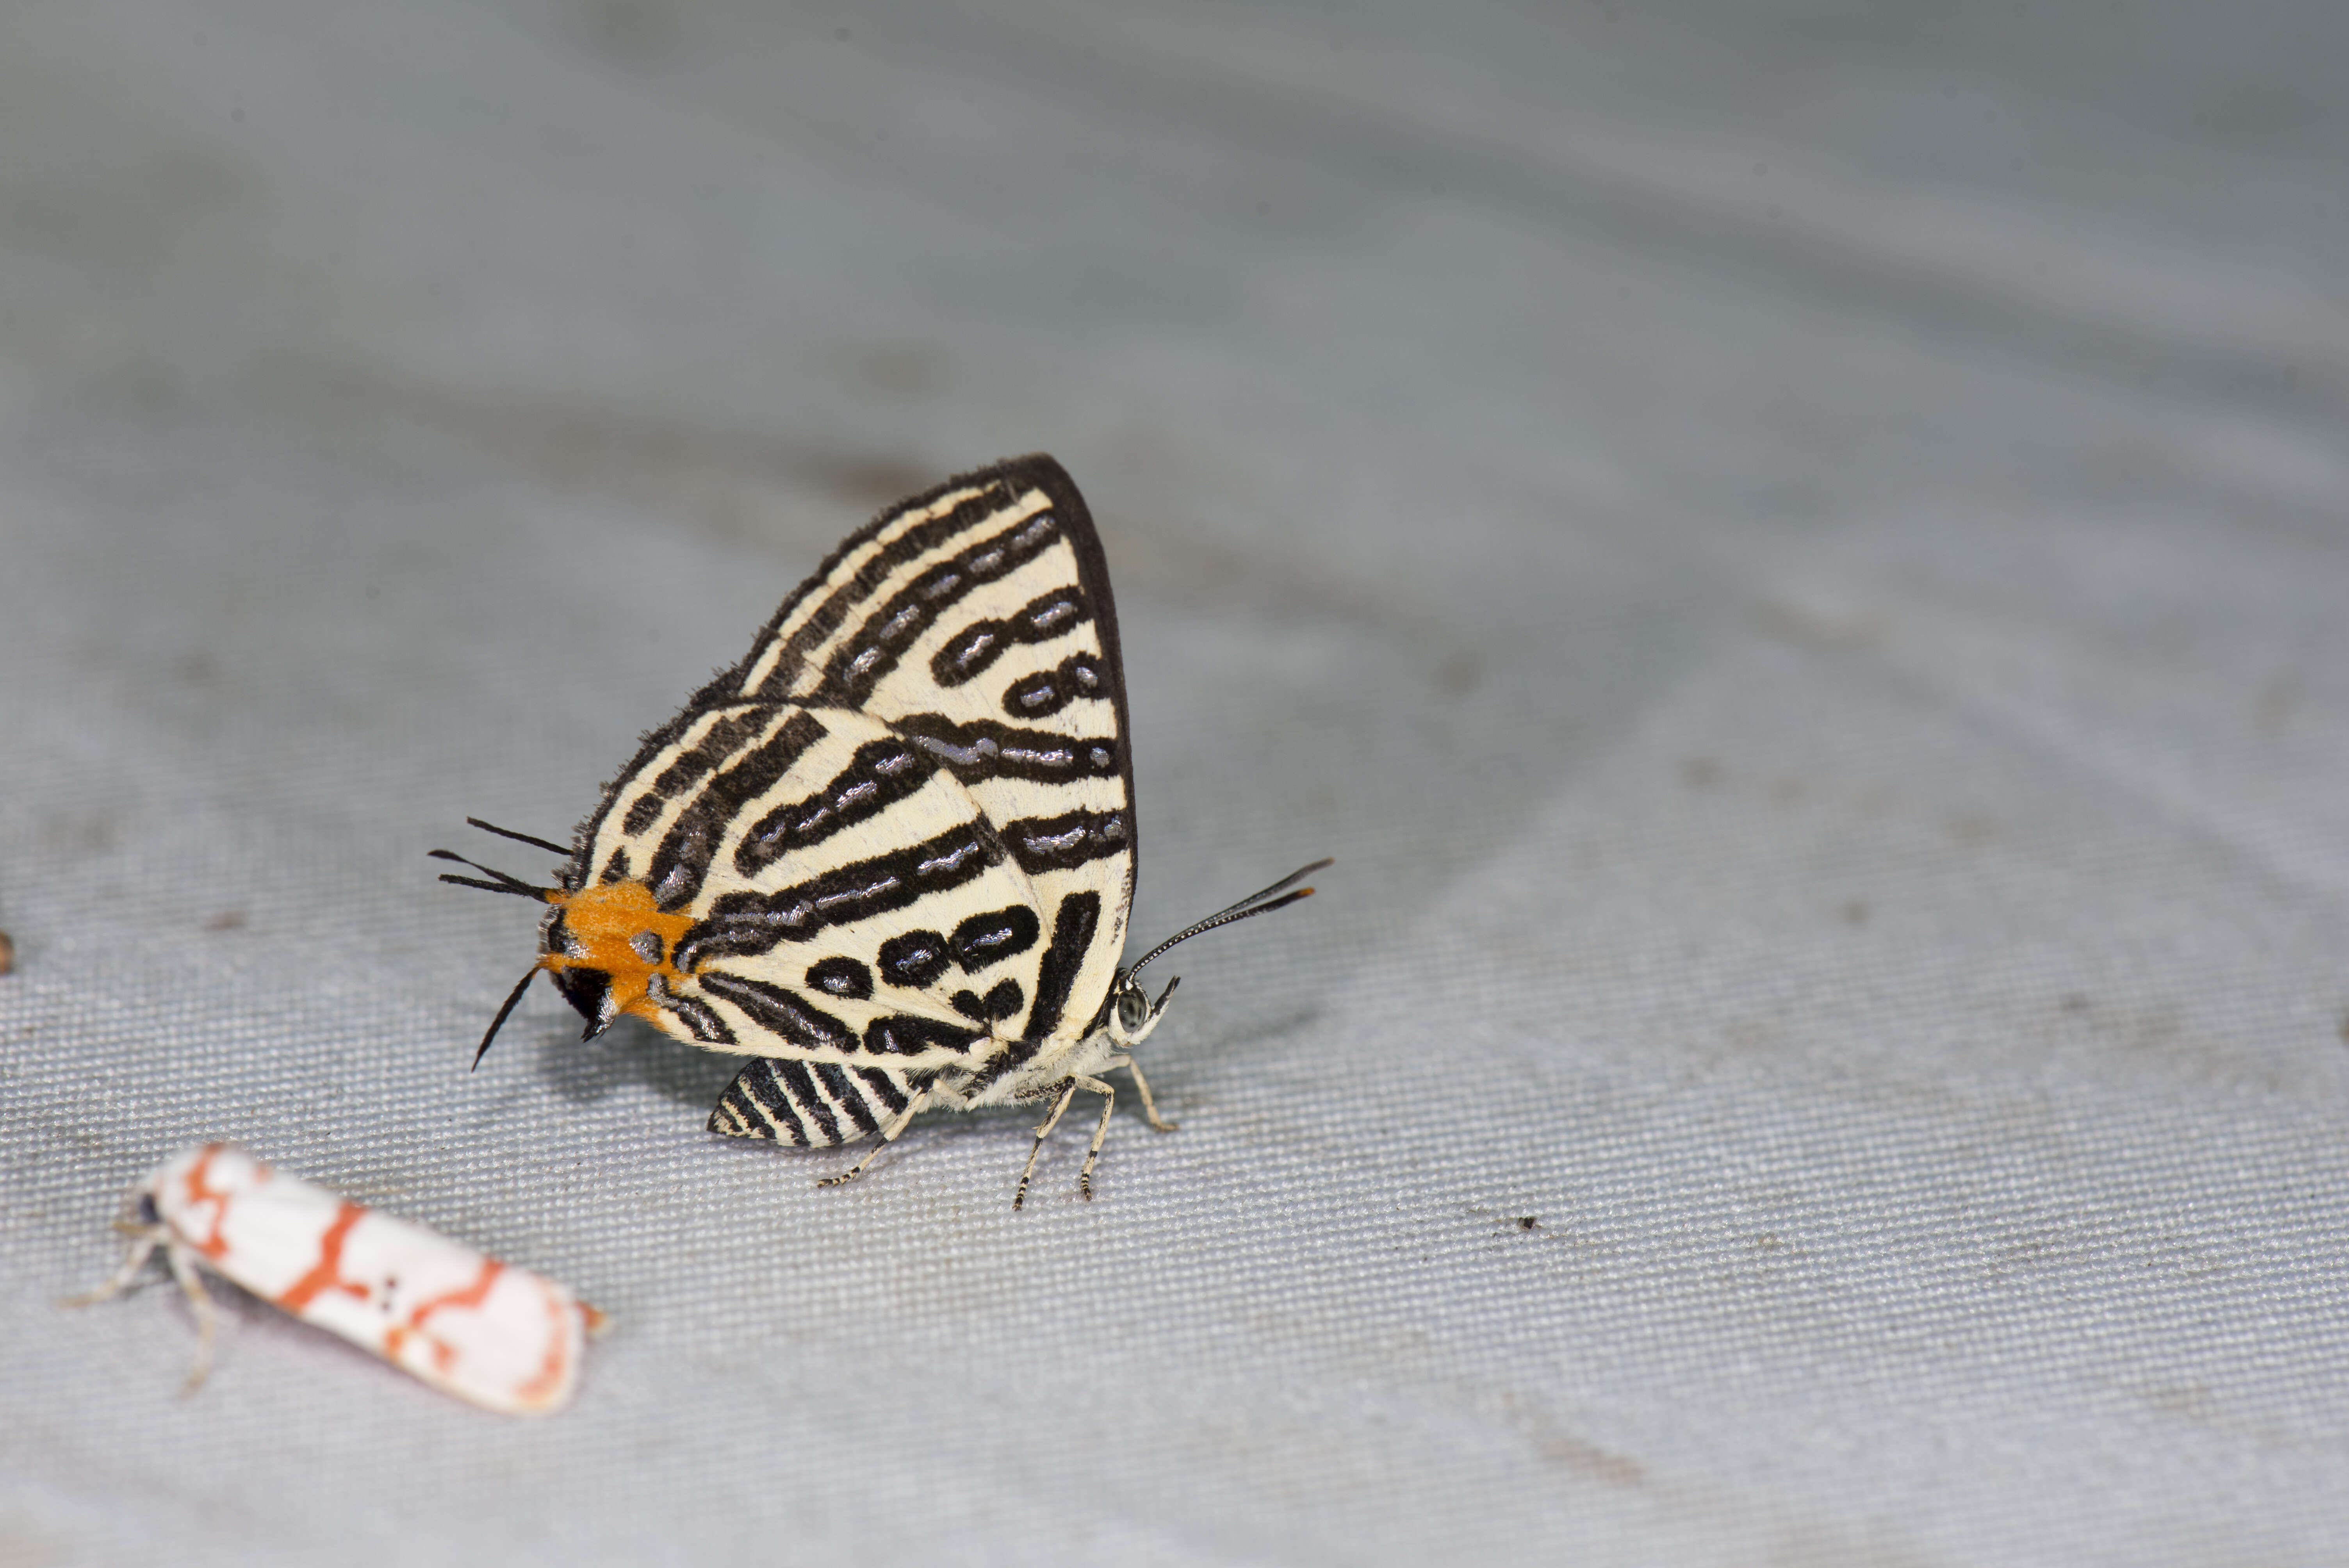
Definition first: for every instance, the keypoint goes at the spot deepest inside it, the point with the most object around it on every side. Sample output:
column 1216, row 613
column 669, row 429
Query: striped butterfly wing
column 898, row 837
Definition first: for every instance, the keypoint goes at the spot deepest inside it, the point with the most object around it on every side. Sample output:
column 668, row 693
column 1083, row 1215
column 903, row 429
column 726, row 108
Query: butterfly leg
column 143, row 1247
column 1108, row 1103
column 1067, row 1093
column 1149, row 1105
column 184, row 1271
column 897, row 1125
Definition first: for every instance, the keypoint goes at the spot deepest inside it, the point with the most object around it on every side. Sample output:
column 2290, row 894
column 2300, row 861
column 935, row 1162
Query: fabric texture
column 1794, row 554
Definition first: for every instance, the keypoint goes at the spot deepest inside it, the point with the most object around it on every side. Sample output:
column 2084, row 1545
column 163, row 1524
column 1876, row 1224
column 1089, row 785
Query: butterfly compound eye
column 1132, row 1007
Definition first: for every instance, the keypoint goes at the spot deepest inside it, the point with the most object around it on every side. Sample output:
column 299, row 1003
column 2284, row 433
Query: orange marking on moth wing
column 199, row 1193
column 600, row 920
column 444, row 1354
column 549, row 1377
column 326, row 1274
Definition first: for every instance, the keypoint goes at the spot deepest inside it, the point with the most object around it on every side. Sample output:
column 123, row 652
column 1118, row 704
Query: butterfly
column 890, row 853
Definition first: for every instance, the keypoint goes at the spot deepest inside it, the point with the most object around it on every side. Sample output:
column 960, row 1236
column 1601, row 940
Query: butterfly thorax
column 1125, row 1019
column 616, row 947
column 1040, row 1075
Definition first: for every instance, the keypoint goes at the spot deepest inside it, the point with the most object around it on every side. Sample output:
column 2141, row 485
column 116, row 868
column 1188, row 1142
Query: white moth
column 502, row 1336
column 890, row 853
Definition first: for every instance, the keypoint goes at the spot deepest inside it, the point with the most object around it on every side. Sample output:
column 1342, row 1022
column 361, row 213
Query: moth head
column 1132, row 1014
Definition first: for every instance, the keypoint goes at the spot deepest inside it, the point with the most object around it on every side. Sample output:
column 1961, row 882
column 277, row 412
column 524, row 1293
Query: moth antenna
column 1240, row 911
column 552, row 849
column 503, row 882
column 514, row 999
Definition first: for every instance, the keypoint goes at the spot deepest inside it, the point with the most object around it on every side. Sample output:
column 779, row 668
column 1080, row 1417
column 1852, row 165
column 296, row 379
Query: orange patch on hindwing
column 602, row 925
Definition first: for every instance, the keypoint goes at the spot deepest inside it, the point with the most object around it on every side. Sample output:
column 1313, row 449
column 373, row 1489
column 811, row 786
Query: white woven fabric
column 1793, row 555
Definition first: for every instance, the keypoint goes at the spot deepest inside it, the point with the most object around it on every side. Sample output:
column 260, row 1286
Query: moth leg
column 1067, row 1093
column 143, row 1247
column 888, row 1136
column 185, row 1273
column 1149, row 1105
column 1108, row 1103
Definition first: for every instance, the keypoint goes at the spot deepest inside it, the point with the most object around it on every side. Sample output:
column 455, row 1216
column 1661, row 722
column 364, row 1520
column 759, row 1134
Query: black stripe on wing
column 916, row 544
column 984, row 748
column 723, row 738
column 786, row 1014
column 890, row 1089
column 884, row 772
column 1046, row 692
column 743, row 924
column 756, row 1105
column 880, row 774
column 811, row 1104
column 848, row 1097
column 682, row 861
column 1074, row 925
column 972, row 652
column 699, row 1018
column 814, row 1105
column 1093, row 580
column 1041, row 844
column 867, row 656
column 913, row 1035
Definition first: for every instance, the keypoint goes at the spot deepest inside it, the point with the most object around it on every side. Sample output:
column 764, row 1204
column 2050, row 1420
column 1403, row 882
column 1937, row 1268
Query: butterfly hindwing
column 813, row 1104
column 898, row 837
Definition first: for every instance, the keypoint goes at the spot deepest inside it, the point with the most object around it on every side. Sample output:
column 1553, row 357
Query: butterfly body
column 890, row 854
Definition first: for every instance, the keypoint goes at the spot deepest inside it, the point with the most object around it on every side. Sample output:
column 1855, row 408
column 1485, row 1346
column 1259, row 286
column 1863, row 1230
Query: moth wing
column 502, row 1336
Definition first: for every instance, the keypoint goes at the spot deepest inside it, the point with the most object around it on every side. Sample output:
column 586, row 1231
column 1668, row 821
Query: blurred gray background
column 1794, row 552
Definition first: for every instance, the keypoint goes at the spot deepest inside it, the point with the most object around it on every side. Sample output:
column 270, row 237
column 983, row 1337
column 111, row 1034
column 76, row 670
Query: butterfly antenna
column 1240, row 911
column 501, row 882
column 1300, row 874
column 514, row 998
column 531, row 840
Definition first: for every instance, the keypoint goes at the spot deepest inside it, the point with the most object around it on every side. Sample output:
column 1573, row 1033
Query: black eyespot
column 1000, row 1003
column 987, row 939
column 842, row 977
column 913, row 959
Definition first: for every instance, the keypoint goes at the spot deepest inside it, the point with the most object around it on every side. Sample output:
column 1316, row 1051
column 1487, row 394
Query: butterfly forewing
column 899, row 835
